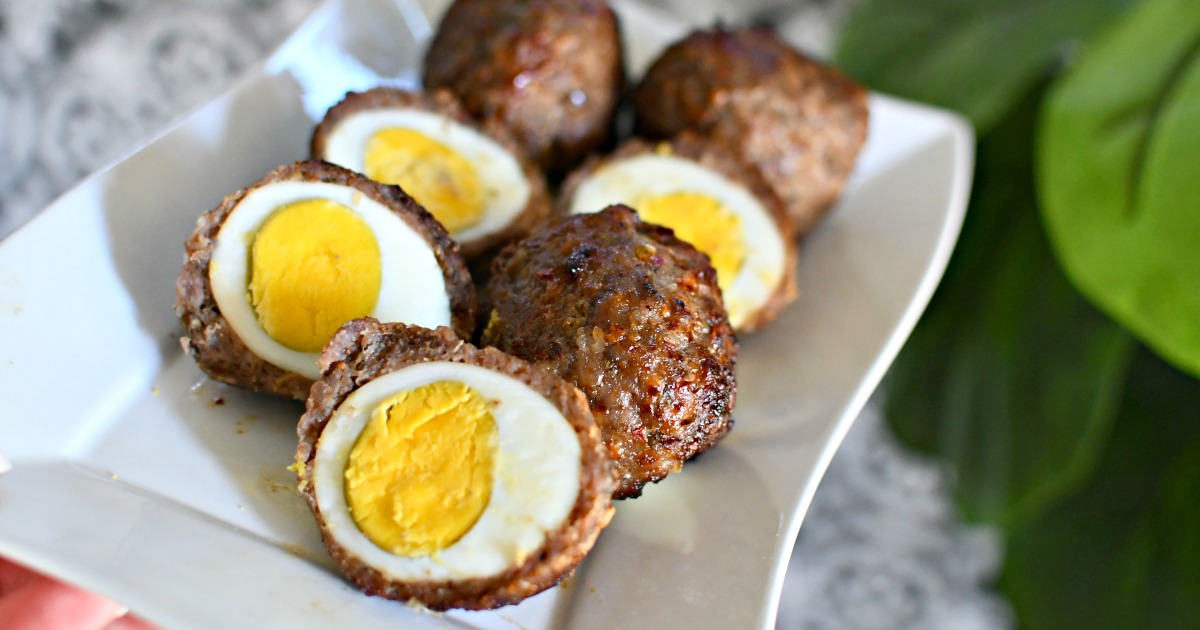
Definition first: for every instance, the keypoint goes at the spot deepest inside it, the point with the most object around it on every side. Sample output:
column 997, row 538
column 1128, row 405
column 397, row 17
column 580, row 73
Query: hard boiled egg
column 448, row 475
column 709, row 199
column 272, row 272
column 471, row 178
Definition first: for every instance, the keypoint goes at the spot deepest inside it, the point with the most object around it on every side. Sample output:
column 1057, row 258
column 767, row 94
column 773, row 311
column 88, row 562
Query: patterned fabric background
column 83, row 82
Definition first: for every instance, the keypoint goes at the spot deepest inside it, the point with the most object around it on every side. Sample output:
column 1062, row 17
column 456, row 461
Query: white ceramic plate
column 136, row 477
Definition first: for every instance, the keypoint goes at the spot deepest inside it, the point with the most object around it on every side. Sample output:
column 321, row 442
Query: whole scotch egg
column 709, row 199
column 447, row 475
column 632, row 316
column 472, row 178
column 798, row 122
column 550, row 71
column 272, row 272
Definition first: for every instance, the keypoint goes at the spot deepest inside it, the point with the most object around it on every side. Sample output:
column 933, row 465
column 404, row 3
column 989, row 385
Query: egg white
column 535, row 482
column 506, row 190
column 412, row 286
column 624, row 181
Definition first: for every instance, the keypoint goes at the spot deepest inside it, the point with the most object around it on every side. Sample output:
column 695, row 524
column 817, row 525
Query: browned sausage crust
column 212, row 342
column 442, row 102
column 548, row 70
column 799, row 122
column 363, row 350
column 715, row 157
column 633, row 317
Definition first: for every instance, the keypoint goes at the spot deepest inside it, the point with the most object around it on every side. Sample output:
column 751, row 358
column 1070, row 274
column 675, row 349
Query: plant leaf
column 1124, row 551
column 976, row 56
column 1010, row 375
column 1119, row 176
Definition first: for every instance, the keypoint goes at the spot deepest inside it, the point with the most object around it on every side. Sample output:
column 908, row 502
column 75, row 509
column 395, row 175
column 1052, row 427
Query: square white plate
column 138, row 478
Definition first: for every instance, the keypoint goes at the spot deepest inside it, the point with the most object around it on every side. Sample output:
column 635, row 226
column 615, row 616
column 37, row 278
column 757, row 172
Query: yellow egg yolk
column 420, row 474
column 314, row 265
column 437, row 176
column 705, row 223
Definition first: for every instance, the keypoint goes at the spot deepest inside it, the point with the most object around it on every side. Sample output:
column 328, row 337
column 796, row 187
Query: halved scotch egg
column 474, row 179
column 447, row 475
column 709, row 199
column 272, row 272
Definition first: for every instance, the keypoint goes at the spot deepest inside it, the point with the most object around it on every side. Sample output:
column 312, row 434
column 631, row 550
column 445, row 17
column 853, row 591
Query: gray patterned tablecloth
column 83, row 81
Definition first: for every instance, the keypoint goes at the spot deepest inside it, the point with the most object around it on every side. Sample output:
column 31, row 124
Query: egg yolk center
column 438, row 177
column 420, row 474
column 705, row 223
column 314, row 265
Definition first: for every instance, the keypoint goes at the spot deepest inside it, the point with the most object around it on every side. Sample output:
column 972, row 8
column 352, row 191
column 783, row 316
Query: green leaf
column 976, row 56
column 1011, row 376
column 1124, row 551
column 1119, row 176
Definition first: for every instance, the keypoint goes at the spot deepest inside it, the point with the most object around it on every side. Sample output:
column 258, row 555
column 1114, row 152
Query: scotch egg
column 549, row 71
column 632, row 316
column 272, row 272
column 709, row 199
column 472, row 178
column 446, row 475
column 797, row 122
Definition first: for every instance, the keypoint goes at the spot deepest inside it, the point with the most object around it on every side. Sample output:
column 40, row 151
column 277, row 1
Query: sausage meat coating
column 801, row 123
column 633, row 317
column 548, row 70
